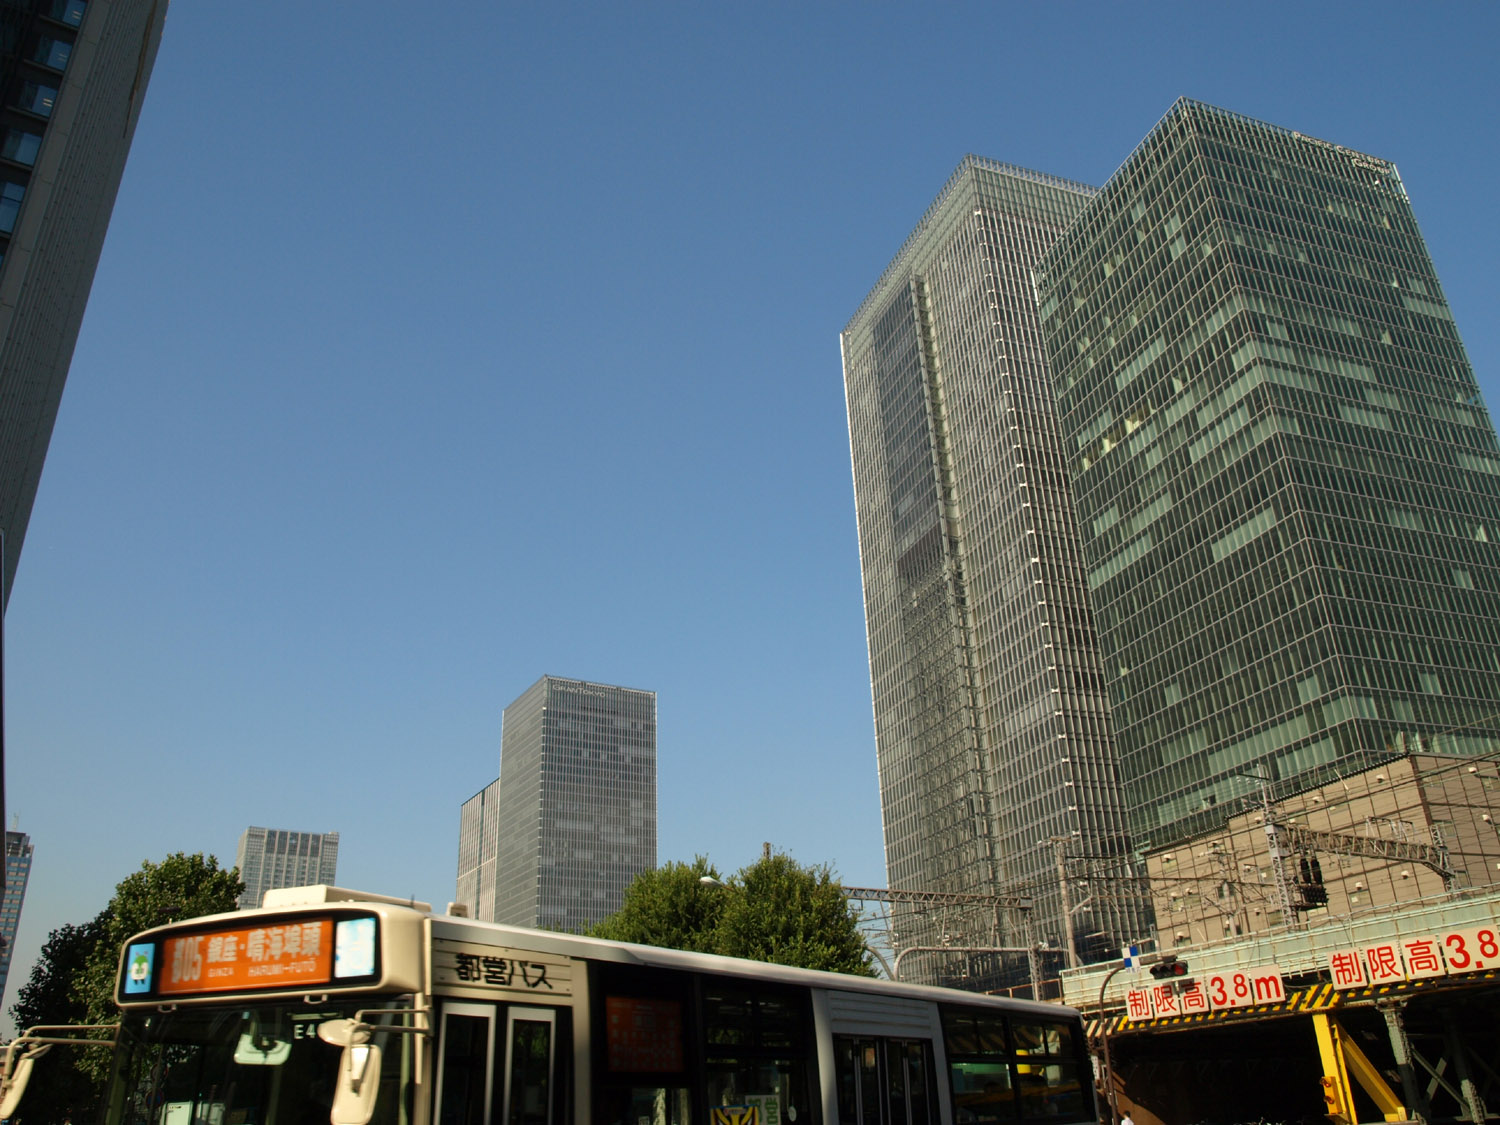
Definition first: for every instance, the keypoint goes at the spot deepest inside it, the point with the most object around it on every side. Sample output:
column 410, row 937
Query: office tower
column 992, row 734
column 268, row 858
column 74, row 76
column 1288, row 486
column 17, row 872
column 576, row 806
column 478, row 838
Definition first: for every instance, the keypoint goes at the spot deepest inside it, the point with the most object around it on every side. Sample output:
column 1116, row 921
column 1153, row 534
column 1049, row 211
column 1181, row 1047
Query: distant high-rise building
column 572, row 819
column 17, row 872
column 991, row 729
column 478, row 839
column 1287, row 483
column 270, row 857
column 73, row 74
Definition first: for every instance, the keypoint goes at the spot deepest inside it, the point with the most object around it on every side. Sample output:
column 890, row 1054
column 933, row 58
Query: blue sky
column 427, row 356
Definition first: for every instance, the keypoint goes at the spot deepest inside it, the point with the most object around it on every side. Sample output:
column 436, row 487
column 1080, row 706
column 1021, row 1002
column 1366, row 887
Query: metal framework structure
column 955, row 920
column 1370, row 847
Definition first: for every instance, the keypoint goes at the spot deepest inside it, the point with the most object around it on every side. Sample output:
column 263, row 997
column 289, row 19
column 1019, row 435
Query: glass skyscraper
column 268, row 858
column 1286, row 481
column 574, row 818
column 17, row 872
column 991, row 728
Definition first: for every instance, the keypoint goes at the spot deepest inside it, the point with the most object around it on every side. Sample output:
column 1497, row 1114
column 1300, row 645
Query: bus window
column 979, row 1067
column 249, row 1063
column 757, row 1049
column 884, row 1081
column 1048, row 1065
column 1023, row 1067
column 641, row 1059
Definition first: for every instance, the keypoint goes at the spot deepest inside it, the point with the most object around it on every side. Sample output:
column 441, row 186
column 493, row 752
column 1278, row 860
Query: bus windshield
column 246, row 1065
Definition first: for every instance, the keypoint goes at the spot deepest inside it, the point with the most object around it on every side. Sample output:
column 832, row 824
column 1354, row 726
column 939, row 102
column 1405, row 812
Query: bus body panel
column 485, row 1022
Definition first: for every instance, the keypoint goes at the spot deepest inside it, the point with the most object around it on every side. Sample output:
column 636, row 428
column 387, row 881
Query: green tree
column 61, row 1090
column 780, row 911
column 48, row 997
column 74, row 980
column 179, row 887
column 670, row 907
column 774, row 910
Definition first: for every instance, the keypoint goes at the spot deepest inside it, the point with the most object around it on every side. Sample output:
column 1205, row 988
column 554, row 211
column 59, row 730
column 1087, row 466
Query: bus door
column 466, row 1034
column 529, row 1064
column 885, row 1081
column 499, row 1065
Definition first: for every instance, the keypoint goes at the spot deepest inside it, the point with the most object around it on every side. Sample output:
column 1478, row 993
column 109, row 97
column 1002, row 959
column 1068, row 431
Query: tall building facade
column 991, row 727
column 478, row 842
column 73, row 74
column 574, row 819
column 17, row 873
column 272, row 857
column 1287, row 483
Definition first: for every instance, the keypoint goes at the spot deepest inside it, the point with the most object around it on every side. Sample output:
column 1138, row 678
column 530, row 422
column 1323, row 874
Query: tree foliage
column 776, row 910
column 73, row 982
column 62, row 1088
column 669, row 906
column 179, row 887
column 48, row 997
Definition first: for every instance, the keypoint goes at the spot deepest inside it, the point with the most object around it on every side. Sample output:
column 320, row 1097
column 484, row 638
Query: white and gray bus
column 331, row 1005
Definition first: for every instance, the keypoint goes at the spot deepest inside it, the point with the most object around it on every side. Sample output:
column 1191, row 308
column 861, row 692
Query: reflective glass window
column 69, row 12
column 10, row 205
column 21, row 145
column 52, row 52
column 38, row 98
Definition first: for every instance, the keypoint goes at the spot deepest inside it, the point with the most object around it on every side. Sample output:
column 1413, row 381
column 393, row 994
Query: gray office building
column 1288, row 484
column 572, row 819
column 268, row 858
column 73, row 74
column 478, row 840
column 991, row 726
column 17, row 873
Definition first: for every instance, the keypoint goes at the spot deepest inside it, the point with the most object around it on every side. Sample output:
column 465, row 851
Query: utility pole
column 1058, row 843
column 1273, row 844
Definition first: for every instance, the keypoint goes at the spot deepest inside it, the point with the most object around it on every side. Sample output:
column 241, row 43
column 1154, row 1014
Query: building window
column 21, row 146
column 10, row 205
column 38, row 98
column 52, row 52
column 69, row 12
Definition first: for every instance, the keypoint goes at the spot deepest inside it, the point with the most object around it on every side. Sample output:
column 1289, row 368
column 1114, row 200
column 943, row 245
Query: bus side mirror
column 359, row 1081
column 14, row 1084
column 359, row 1071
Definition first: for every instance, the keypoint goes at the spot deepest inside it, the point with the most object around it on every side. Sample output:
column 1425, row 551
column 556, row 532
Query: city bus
column 329, row 1005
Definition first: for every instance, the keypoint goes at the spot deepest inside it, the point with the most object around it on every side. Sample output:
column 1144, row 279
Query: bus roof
column 456, row 928
column 649, row 956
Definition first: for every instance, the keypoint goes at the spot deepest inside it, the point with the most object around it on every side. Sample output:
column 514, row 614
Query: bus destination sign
column 272, row 954
column 254, row 957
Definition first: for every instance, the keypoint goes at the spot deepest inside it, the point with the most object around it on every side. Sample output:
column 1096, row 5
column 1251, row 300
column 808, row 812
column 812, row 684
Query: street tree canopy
column 73, row 980
column 776, row 910
column 669, row 906
column 179, row 887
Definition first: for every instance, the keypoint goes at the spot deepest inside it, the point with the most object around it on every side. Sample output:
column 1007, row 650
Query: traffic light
column 1168, row 968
